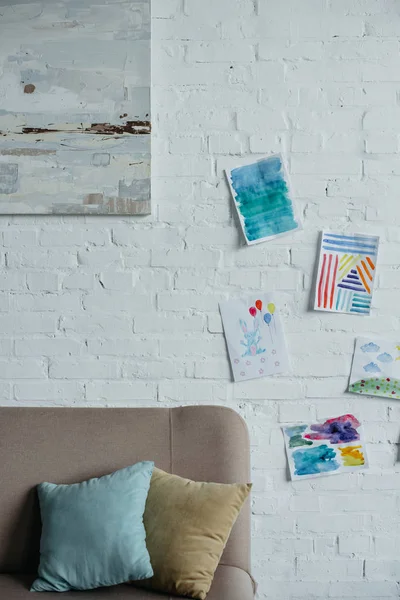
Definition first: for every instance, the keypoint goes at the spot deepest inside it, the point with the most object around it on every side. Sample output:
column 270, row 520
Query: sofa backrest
column 68, row 445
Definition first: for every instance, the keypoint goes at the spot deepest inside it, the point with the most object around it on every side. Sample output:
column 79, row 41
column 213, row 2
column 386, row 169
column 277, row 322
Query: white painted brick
column 334, row 365
column 268, row 389
column 329, row 523
column 386, row 546
column 262, row 118
column 260, row 256
column 114, row 280
column 100, row 258
column 123, row 347
column 251, row 279
column 355, row 544
column 5, row 393
column 157, row 323
column 185, row 258
column 43, row 282
column 291, row 412
column 306, row 502
column 381, row 143
column 334, row 164
column 42, row 259
column 153, row 369
column 18, row 368
column 363, row 589
column 326, row 546
column 193, row 279
column 84, row 368
column 381, row 482
column 359, row 503
column 213, row 369
column 182, row 302
column 214, row 323
column 223, row 51
column 14, row 238
column 50, row 392
column 6, row 347
column 282, row 280
column 60, row 303
column 185, row 144
column 226, row 143
column 203, row 392
column 210, row 346
column 212, row 236
column 21, row 324
column 74, row 237
column 330, row 569
column 319, row 82
column 124, row 235
column 48, row 346
column 263, row 143
column 97, row 323
column 114, row 301
column 78, row 281
column 382, row 570
column 4, row 302
column 120, row 391
column 12, row 280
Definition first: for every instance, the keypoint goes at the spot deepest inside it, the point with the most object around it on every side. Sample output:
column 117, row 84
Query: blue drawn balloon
column 267, row 318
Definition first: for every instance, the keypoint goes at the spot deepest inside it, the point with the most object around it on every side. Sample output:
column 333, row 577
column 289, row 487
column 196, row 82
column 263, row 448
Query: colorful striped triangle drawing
column 346, row 273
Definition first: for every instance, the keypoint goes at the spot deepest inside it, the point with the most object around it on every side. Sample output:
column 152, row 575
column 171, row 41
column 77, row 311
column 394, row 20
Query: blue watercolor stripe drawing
column 262, row 198
column 361, row 304
column 367, row 245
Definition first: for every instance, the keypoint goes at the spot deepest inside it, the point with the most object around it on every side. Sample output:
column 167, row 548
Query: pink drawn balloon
column 253, row 311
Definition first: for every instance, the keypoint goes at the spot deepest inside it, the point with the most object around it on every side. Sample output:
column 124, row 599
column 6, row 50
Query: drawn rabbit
column 252, row 338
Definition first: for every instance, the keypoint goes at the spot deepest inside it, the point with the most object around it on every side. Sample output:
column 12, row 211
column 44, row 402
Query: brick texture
column 124, row 311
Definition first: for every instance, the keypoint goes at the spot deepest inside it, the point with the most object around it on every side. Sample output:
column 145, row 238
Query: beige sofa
column 68, row 445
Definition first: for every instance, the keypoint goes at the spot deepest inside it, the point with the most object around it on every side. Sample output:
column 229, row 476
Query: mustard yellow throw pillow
column 187, row 526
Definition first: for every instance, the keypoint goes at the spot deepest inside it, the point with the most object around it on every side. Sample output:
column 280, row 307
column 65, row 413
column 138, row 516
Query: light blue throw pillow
column 93, row 533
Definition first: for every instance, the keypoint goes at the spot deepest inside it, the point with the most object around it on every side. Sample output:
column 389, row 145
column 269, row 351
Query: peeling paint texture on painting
column 75, row 124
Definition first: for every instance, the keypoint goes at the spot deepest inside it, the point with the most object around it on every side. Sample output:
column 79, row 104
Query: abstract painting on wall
column 262, row 198
column 376, row 368
column 346, row 273
column 254, row 337
column 75, row 107
column 325, row 448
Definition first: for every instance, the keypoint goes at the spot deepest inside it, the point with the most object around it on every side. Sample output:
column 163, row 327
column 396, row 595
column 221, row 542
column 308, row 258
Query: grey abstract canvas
column 75, row 122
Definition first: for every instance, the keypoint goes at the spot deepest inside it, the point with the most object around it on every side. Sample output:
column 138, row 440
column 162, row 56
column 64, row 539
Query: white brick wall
column 124, row 311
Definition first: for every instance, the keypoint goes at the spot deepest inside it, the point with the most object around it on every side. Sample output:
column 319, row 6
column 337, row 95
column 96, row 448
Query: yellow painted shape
column 352, row 457
column 348, row 267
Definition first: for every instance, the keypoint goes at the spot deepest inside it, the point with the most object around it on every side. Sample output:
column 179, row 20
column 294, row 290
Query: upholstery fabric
column 187, row 525
column 93, row 533
column 65, row 445
column 230, row 583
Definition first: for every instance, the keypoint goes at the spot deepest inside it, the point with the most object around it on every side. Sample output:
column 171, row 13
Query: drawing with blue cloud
column 371, row 347
column 385, row 358
column 372, row 368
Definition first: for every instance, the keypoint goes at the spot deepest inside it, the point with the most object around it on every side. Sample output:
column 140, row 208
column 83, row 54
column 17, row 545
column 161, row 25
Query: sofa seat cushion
column 230, row 583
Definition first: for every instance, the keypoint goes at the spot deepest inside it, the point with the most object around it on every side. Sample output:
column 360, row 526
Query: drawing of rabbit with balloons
column 252, row 336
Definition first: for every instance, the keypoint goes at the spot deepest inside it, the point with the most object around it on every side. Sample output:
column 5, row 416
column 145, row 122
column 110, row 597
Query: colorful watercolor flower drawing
column 375, row 370
column 331, row 447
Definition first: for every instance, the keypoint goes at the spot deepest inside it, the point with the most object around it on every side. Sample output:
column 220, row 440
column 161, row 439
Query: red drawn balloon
column 259, row 305
column 253, row 311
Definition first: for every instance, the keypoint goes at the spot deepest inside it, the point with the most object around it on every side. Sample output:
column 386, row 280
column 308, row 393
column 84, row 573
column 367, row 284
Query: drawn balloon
column 259, row 305
column 267, row 318
column 253, row 311
column 271, row 308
